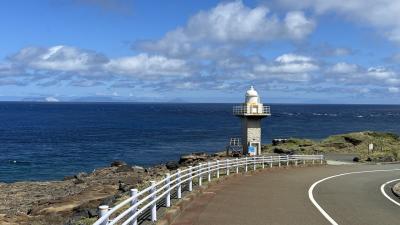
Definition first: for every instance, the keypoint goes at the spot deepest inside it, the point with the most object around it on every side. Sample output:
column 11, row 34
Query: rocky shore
column 74, row 200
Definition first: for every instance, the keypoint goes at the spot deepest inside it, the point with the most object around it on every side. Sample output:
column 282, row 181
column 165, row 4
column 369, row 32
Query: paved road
column 280, row 196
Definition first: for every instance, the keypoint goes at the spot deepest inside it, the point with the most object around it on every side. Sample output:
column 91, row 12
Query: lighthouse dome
column 252, row 96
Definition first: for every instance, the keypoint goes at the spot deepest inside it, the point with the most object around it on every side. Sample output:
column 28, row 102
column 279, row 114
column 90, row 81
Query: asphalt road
column 280, row 196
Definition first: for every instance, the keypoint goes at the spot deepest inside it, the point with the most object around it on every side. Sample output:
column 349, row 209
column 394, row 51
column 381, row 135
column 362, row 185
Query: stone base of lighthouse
column 251, row 131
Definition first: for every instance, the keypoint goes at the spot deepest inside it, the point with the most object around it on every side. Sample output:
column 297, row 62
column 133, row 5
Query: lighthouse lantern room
column 251, row 112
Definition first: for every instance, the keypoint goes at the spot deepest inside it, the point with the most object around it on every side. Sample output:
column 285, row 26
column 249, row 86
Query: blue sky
column 293, row 51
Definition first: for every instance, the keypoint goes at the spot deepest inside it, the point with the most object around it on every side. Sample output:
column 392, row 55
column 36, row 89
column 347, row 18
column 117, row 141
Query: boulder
column 124, row 168
column 396, row 189
column 118, row 163
column 172, row 165
column 138, row 168
column 131, row 180
column 192, row 158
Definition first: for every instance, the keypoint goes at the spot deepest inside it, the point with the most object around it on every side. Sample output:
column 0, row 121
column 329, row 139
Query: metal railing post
column 217, row 168
column 227, row 167
column 271, row 162
column 190, row 178
column 322, row 157
column 209, row 171
column 168, row 196
column 134, row 193
column 237, row 165
column 103, row 209
column 200, row 175
column 279, row 161
column 287, row 160
column 313, row 161
column 295, row 162
column 245, row 169
column 254, row 163
column 154, row 205
column 263, row 162
column 304, row 161
column 179, row 191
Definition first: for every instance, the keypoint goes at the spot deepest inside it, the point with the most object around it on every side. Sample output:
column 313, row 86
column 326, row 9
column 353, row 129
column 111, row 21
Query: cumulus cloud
column 383, row 14
column 347, row 73
column 289, row 67
column 74, row 61
column 343, row 68
column 145, row 65
column 57, row 58
column 230, row 23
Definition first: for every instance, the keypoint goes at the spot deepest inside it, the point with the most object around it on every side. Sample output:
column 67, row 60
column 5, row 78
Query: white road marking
column 386, row 195
column 320, row 209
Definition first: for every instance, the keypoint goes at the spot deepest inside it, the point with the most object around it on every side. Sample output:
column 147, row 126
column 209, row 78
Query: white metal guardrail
column 128, row 211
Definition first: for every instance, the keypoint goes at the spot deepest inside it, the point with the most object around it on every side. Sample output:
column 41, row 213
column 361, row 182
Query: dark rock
column 107, row 201
column 123, row 187
column 353, row 141
column 276, row 142
column 79, row 178
column 79, row 181
column 118, row 163
column 69, row 178
column 192, row 158
column 356, row 159
column 284, row 151
column 172, row 165
column 131, row 180
column 124, row 168
column 92, row 213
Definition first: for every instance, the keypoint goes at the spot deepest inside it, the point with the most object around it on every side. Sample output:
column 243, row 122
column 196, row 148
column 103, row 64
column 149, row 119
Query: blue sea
column 47, row 141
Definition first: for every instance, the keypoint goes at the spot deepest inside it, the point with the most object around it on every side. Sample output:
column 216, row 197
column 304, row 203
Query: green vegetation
column 386, row 145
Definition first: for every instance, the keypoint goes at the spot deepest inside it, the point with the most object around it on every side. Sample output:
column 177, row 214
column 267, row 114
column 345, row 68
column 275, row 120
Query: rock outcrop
column 61, row 202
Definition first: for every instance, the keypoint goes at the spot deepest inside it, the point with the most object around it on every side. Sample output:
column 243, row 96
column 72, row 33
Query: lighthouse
column 251, row 112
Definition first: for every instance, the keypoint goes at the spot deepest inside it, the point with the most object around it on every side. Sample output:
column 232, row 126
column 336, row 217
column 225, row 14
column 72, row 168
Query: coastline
column 76, row 198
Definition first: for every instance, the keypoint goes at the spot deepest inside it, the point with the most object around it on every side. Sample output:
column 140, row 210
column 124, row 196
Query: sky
column 292, row 51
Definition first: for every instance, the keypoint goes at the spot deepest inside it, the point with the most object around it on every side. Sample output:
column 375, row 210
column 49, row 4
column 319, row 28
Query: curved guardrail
column 128, row 211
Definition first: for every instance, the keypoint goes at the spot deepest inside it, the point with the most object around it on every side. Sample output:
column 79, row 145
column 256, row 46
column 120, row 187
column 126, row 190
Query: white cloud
column 380, row 73
column 289, row 67
column 343, row 68
column 51, row 99
column 290, row 58
column 394, row 90
column 381, row 14
column 230, row 24
column 145, row 65
column 58, row 58
column 297, row 25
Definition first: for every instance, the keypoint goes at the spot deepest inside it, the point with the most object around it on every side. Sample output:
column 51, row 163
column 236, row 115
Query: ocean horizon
column 48, row 141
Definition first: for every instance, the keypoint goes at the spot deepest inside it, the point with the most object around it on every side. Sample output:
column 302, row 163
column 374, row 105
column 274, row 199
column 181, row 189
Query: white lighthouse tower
column 251, row 112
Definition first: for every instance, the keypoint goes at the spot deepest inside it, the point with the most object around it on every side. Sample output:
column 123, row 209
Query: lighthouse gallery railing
column 241, row 110
column 128, row 211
